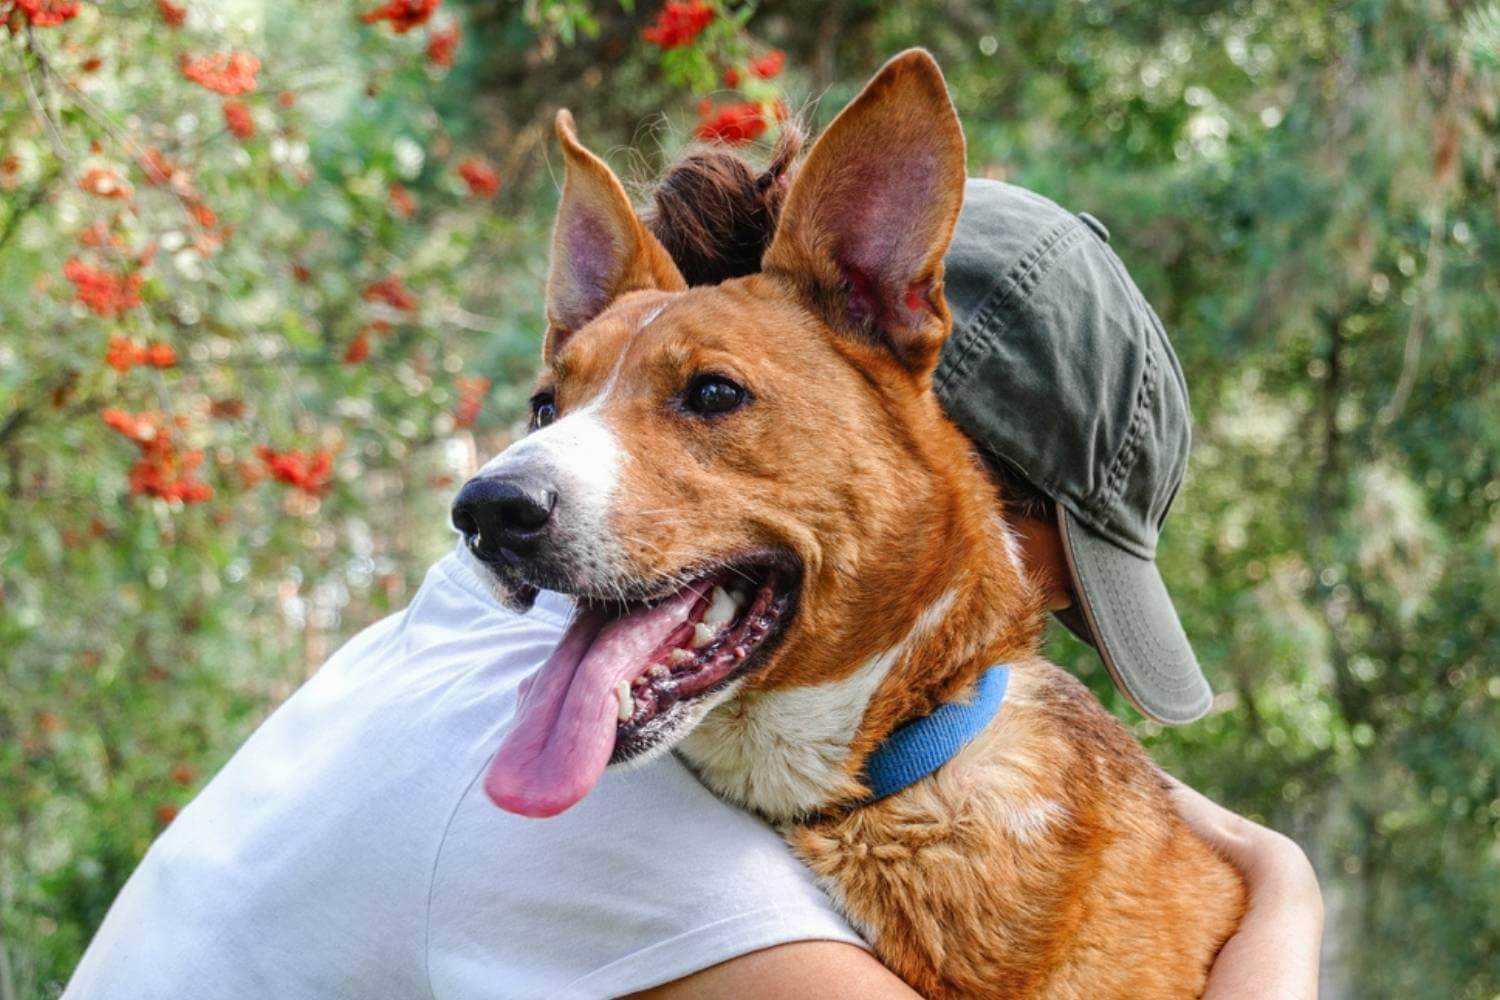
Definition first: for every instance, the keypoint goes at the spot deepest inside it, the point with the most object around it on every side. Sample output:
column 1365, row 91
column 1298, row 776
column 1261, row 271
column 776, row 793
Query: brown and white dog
column 782, row 550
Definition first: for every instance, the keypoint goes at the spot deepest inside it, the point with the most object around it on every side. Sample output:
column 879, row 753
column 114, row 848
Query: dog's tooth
column 676, row 657
column 721, row 609
column 702, row 635
column 627, row 703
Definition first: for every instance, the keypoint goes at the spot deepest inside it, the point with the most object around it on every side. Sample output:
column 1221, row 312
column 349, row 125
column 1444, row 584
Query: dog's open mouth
column 624, row 678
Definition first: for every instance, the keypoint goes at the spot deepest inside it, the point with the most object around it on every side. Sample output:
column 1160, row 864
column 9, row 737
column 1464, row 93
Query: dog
column 782, row 551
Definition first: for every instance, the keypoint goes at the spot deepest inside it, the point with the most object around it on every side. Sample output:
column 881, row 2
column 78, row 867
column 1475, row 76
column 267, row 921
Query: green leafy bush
column 272, row 281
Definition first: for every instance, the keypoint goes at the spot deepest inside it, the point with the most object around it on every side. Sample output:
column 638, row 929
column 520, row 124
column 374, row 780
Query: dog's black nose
column 504, row 513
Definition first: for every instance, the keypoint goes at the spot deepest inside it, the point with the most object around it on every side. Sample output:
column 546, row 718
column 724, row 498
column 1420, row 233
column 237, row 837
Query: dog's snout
column 503, row 513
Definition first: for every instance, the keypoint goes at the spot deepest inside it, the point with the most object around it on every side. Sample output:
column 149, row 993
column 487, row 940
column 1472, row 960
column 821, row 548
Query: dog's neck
column 798, row 750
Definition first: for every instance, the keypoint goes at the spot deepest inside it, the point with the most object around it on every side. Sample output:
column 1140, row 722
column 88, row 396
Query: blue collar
column 923, row 745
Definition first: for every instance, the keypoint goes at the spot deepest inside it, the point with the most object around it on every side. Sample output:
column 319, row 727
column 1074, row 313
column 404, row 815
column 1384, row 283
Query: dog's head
column 747, row 487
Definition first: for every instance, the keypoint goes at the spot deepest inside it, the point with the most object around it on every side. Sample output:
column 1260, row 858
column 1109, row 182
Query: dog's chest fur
column 1043, row 861
column 785, row 753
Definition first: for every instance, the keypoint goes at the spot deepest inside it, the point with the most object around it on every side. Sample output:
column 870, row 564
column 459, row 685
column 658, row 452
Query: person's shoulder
column 649, row 878
column 453, row 620
column 455, row 583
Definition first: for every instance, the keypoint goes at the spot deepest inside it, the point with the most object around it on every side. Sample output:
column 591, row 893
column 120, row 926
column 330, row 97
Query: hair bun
column 715, row 214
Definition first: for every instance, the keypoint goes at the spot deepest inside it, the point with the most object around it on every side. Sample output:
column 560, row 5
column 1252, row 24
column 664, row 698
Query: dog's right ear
column 600, row 249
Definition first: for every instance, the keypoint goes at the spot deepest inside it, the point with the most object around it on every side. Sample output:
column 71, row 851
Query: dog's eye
column 543, row 410
column 710, row 395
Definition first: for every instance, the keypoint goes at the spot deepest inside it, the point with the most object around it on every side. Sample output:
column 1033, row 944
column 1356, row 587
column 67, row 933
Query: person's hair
column 715, row 213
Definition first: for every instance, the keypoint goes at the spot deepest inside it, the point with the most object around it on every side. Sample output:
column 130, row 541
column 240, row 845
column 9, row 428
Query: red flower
column 404, row 15
column 471, row 393
column 679, row 23
column 401, row 201
column 142, row 428
column 98, row 235
column 237, row 118
column 38, row 13
column 122, row 354
column 173, row 14
column 203, row 215
column 286, row 98
column 359, row 348
column 91, row 64
column 480, row 176
column 103, row 292
column 392, row 292
column 166, row 813
column 157, row 168
column 227, row 73
column 161, row 471
column 104, row 183
column 160, row 355
column 731, row 123
column 731, row 77
column 309, row 472
column 442, row 43
column 169, row 474
column 769, row 65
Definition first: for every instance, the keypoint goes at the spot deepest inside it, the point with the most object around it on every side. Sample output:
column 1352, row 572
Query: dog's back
column 1044, row 860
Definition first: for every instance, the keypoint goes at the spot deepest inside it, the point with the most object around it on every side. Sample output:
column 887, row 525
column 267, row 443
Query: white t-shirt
column 348, row 850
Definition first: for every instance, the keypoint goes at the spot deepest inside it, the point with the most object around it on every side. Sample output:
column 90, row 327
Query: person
column 347, row 849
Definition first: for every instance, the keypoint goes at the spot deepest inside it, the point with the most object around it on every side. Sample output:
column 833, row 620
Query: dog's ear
column 600, row 249
column 871, row 212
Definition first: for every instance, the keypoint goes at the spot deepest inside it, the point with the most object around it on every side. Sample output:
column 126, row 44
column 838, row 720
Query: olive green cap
column 1059, row 368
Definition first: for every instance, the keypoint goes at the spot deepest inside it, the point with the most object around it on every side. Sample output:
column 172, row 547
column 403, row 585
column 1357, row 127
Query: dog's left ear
column 871, row 212
column 600, row 248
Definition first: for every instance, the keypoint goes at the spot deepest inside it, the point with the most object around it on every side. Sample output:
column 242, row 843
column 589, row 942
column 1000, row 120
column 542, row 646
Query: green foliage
column 1306, row 192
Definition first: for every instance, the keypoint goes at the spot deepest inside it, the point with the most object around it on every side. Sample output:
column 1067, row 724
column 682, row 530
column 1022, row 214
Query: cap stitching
column 1113, row 486
column 1148, row 641
column 981, row 331
column 1143, row 640
column 1167, row 488
column 1103, row 606
column 1162, row 497
column 1164, row 343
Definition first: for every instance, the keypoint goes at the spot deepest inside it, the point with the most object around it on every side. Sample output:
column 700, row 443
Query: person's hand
column 1274, row 953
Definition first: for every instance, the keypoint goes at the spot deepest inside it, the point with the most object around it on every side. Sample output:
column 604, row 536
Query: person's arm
column 826, row 969
column 1274, row 952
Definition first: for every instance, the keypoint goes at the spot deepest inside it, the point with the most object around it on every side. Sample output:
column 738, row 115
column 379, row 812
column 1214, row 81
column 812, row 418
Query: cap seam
column 982, row 330
column 1113, row 485
column 1163, row 343
column 1164, row 496
column 1132, row 624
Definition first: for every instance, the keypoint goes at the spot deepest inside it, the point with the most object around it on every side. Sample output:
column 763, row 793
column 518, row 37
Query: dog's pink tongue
column 564, row 729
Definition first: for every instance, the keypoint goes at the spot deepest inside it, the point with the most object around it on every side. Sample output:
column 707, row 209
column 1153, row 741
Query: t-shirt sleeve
column 648, row 879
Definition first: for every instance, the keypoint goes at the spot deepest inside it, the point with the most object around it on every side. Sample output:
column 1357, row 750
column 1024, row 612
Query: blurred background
column 272, row 281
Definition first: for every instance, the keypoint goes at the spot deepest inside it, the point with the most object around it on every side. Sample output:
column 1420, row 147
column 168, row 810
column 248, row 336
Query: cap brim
column 1132, row 624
